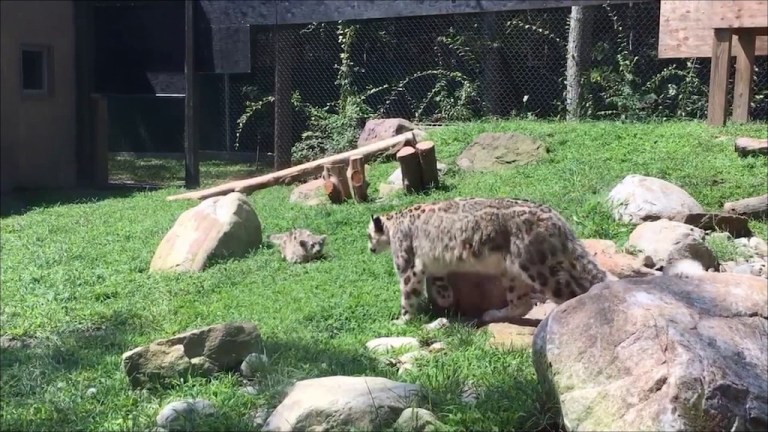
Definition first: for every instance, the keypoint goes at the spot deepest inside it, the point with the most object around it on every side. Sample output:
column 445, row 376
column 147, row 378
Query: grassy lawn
column 75, row 277
column 170, row 172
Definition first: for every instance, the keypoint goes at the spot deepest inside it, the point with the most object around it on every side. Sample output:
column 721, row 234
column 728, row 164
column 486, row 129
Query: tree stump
column 428, row 159
column 410, row 167
column 356, row 179
column 336, row 185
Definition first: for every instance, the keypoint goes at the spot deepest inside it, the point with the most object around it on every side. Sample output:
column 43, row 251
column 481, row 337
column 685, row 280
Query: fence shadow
column 22, row 201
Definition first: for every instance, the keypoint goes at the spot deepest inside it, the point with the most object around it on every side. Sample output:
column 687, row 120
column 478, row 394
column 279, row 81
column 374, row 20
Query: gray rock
column 416, row 420
column 667, row 241
column 659, row 353
column 343, row 403
column 492, row 151
column 219, row 227
column 759, row 246
column 637, row 199
column 184, row 415
column 201, row 352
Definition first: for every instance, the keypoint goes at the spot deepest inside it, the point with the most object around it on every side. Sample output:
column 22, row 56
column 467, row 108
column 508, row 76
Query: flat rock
column 638, row 199
column 659, row 353
column 219, row 227
column 384, row 344
column 386, row 189
column 736, row 226
column 666, row 241
column 513, row 336
column 491, row 151
column 201, row 352
column 619, row 264
column 746, row 146
column 310, row 193
column 184, row 415
column 342, row 403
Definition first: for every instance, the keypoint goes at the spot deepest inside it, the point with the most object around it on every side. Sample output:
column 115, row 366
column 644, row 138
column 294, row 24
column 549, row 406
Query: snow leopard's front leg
column 411, row 275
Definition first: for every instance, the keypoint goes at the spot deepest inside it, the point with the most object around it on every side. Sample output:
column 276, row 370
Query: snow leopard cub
column 299, row 245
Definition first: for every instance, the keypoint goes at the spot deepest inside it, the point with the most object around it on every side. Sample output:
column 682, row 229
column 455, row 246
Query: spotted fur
column 299, row 245
column 529, row 246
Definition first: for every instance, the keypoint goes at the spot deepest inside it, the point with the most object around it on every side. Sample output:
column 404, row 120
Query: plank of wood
column 742, row 81
column 748, row 146
column 718, row 77
column 299, row 172
column 737, row 13
column 754, row 207
column 685, row 27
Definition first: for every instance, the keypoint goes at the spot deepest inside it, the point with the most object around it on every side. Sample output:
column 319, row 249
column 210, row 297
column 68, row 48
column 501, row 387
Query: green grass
column 75, row 277
column 170, row 172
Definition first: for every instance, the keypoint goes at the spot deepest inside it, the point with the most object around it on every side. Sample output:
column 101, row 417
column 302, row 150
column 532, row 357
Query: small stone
column 742, row 269
column 384, row 344
column 253, row 365
column 184, row 414
column 417, row 420
column 91, row 392
column 250, row 390
column 412, row 356
column 437, row 324
column 386, row 190
column 727, row 267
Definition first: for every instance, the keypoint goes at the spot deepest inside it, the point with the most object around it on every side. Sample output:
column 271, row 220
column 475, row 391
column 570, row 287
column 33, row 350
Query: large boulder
column 202, row 352
column 342, row 403
column 219, row 227
column 498, row 150
column 376, row 130
column 659, row 353
column 638, row 199
column 666, row 241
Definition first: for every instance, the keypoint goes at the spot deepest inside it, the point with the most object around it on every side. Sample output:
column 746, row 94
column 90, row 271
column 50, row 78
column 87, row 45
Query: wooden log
column 335, row 183
column 754, row 207
column 718, row 77
column 356, row 179
column 428, row 159
column 299, row 172
column 410, row 168
column 748, row 146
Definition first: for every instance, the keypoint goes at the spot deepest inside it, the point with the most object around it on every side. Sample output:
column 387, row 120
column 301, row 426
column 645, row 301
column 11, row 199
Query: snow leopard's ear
column 378, row 226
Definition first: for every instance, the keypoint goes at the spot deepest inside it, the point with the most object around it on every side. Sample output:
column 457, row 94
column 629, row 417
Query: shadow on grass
column 21, row 201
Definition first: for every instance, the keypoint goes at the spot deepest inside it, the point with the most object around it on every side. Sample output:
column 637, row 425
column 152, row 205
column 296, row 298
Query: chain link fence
column 452, row 68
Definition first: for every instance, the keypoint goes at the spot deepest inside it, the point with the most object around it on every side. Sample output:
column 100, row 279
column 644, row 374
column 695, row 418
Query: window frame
column 47, row 66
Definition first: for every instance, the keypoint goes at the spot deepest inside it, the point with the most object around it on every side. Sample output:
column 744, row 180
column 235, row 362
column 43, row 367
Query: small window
column 34, row 70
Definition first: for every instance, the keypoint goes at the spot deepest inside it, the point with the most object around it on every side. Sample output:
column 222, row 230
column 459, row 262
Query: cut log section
column 428, row 159
column 299, row 172
column 749, row 146
column 754, row 207
column 410, row 167
column 356, row 179
column 335, row 183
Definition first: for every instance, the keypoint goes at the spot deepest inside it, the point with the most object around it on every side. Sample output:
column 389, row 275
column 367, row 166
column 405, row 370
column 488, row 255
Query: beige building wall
column 38, row 133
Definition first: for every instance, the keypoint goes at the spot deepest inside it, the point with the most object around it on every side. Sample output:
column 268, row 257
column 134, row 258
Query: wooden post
column 284, row 57
column 191, row 160
column 718, row 77
column 742, row 82
column 410, row 168
column 336, row 185
column 100, row 134
column 356, row 179
column 428, row 159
